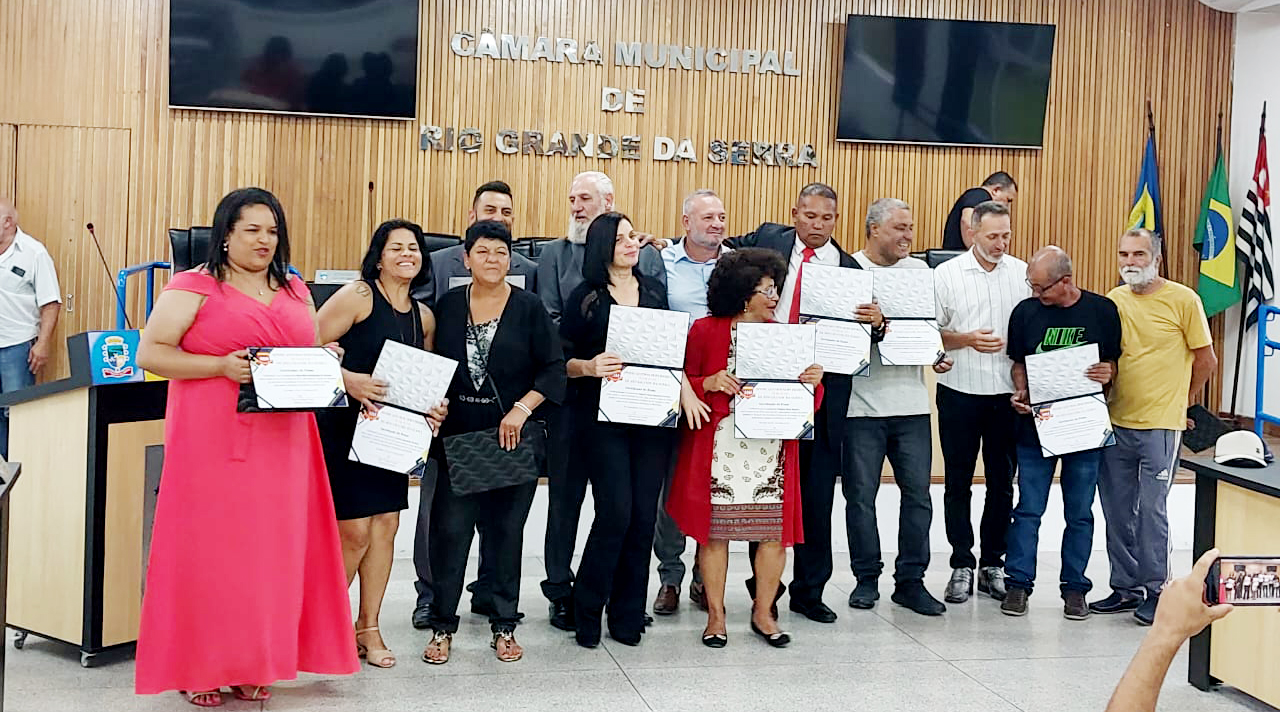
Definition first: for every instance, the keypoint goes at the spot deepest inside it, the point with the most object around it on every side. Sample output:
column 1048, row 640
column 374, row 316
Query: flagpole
column 1155, row 157
column 1244, row 296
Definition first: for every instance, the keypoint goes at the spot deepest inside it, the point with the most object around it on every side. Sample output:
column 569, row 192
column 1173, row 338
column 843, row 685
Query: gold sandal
column 508, row 640
column 377, row 657
column 440, row 643
column 204, row 698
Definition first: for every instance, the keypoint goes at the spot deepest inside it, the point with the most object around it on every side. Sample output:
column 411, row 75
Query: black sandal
column 781, row 639
column 715, row 640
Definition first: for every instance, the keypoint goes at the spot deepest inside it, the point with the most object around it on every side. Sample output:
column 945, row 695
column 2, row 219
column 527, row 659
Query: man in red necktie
column 811, row 241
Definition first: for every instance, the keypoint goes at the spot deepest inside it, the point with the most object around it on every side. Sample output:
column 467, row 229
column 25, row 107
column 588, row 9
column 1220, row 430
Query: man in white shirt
column 888, row 416
column 976, row 292
column 29, row 304
column 688, row 264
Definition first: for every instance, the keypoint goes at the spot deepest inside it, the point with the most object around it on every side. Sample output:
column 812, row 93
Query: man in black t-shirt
column 1058, row 315
column 958, row 233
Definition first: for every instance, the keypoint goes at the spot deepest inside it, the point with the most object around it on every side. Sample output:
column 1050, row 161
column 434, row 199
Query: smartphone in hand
column 1244, row 581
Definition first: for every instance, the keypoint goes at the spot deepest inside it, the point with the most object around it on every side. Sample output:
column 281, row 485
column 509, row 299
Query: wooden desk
column 76, row 555
column 1238, row 511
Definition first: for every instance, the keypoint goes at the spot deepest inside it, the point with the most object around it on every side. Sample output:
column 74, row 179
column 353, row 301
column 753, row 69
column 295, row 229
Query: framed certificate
column 642, row 395
column 294, row 378
column 1069, row 410
column 393, row 439
column 416, row 380
column 773, row 403
column 828, row 298
column 651, row 344
column 912, row 336
column 780, row 410
column 911, row 342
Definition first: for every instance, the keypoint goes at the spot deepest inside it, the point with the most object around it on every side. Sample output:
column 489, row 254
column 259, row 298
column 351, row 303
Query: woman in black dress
column 361, row 316
column 627, row 462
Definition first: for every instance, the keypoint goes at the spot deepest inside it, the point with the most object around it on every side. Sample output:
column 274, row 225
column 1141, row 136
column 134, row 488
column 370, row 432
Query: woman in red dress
column 726, row 488
column 245, row 584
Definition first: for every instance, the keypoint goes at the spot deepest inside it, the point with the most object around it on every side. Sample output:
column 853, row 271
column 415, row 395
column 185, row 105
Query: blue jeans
column 1079, row 481
column 15, row 375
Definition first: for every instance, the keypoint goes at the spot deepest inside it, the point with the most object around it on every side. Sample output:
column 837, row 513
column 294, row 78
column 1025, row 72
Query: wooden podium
column 76, row 560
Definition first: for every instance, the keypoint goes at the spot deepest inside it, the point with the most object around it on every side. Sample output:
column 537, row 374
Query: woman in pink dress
column 245, row 584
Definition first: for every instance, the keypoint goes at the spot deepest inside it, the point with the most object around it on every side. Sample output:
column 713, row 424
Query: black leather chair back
column 439, row 241
column 531, row 247
column 189, row 247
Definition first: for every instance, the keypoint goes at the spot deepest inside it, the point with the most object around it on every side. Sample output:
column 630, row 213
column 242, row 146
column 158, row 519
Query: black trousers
column 422, row 548
column 453, row 524
column 908, row 443
column 966, row 422
column 819, row 465
column 627, row 467
column 567, row 472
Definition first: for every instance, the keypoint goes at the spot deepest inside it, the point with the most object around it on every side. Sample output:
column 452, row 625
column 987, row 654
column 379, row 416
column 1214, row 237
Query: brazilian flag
column 1218, row 287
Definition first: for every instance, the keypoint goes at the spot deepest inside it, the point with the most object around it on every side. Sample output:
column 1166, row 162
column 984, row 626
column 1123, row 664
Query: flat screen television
column 329, row 57
column 959, row 82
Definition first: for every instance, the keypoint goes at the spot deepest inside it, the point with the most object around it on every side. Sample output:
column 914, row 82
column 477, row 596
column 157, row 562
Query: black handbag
column 477, row 462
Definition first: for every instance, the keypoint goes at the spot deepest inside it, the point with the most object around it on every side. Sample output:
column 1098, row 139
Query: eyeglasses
column 770, row 293
column 1037, row 289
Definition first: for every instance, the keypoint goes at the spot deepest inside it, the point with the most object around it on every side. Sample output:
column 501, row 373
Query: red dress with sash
column 689, row 502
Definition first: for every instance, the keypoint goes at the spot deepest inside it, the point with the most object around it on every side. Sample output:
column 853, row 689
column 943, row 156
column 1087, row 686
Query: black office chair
column 531, row 247
column 189, row 247
column 439, row 241
column 935, row 257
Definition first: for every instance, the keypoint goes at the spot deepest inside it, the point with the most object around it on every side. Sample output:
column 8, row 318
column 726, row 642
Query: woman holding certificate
column 729, row 488
column 245, row 583
column 361, row 316
column 627, row 461
column 510, row 362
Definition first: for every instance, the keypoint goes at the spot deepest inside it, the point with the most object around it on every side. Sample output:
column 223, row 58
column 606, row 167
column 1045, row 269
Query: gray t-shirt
column 889, row 391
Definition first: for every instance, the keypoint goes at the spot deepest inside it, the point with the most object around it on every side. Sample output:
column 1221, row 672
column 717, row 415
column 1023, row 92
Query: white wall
column 1257, row 55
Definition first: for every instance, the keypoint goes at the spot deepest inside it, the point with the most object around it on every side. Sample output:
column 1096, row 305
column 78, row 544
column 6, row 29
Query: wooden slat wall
column 102, row 63
column 8, row 159
column 83, row 178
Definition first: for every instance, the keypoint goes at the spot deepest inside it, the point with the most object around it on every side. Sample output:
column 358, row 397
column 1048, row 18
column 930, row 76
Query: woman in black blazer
column 627, row 462
column 509, row 363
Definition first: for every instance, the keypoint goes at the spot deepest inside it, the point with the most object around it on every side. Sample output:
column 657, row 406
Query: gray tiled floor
column 973, row 658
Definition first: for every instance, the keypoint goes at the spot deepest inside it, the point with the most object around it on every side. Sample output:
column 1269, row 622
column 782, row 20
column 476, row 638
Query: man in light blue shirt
column 688, row 264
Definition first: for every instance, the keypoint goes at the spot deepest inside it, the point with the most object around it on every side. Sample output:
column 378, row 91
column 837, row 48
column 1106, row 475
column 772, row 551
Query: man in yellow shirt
column 1167, row 356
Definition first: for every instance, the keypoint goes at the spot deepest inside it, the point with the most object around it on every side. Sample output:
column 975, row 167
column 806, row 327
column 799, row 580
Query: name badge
column 18, row 271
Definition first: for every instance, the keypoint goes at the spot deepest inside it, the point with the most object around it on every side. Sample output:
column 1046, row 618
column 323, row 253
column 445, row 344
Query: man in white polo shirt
column 976, row 292
column 29, row 304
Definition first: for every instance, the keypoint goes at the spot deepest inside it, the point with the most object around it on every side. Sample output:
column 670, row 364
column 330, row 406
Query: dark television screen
column 337, row 57
column 944, row 81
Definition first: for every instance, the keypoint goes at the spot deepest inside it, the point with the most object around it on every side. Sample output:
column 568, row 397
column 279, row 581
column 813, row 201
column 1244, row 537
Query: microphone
column 111, row 281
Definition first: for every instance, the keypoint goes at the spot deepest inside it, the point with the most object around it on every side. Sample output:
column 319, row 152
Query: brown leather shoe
column 698, row 595
column 668, row 600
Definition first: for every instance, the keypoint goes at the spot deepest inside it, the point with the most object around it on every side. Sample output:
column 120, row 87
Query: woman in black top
column 509, row 363
column 361, row 316
column 628, row 462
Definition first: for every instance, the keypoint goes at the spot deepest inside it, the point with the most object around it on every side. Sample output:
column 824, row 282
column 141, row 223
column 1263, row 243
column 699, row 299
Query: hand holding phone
column 1244, row 581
